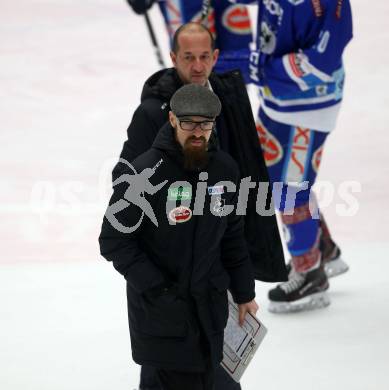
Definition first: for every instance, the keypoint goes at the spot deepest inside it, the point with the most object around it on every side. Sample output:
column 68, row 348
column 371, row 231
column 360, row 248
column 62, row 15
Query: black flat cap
column 195, row 100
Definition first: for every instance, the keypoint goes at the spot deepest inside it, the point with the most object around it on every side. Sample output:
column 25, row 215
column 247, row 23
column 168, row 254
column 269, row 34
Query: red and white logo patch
column 272, row 149
column 237, row 20
column 295, row 62
column 180, row 214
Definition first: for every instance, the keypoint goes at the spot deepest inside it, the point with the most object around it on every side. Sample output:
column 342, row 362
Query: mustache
column 194, row 138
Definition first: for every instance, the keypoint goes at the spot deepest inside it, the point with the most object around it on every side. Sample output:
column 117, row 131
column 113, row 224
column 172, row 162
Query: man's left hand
column 249, row 307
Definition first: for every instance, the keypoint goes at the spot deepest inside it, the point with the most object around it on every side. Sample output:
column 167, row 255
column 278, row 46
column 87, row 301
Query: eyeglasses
column 188, row 125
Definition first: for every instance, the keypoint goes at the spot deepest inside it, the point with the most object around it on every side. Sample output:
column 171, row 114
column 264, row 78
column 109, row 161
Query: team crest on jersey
column 272, row 149
column 180, row 214
column 316, row 158
column 237, row 20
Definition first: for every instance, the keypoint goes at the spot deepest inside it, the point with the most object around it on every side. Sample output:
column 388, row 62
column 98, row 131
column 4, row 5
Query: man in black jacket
column 194, row 56
column 179, row 266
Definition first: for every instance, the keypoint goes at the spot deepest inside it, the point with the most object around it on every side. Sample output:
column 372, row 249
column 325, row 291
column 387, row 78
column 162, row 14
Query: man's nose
column 197, row 132
column 198, row 65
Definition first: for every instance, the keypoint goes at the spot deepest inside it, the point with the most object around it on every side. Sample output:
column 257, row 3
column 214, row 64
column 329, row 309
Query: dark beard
column 195, row 157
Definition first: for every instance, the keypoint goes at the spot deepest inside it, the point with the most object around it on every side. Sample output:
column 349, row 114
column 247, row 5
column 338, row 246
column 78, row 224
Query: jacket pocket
column 163, row 315
column 219, row 300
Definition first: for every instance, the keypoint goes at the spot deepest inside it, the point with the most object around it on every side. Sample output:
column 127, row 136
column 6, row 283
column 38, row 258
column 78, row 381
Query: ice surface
column 71, row 73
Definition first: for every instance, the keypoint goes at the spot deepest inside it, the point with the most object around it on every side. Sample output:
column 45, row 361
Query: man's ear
column 172, row 119
column 215, row 56
column 173, row 57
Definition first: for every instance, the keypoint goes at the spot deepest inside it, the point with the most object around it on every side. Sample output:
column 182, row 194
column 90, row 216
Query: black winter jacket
column 178, row 274
column 237, row 135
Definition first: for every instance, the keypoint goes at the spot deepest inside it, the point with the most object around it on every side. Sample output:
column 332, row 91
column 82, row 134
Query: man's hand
column 249, row 307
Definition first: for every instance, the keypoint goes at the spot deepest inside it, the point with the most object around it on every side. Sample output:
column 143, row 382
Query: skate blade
column 335, row 268
column 312, row 302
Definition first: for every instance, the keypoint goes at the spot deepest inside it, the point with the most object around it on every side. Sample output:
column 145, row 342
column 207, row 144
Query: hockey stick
column 154, row 41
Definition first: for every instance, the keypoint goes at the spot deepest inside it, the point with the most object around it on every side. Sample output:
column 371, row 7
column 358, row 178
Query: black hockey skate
column 301, row 292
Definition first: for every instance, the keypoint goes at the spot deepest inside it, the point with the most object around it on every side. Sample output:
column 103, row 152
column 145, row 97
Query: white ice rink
column 71, row 73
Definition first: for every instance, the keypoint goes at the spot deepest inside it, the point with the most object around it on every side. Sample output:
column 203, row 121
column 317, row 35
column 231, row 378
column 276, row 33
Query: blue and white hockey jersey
column 229, row 23
column 298, row 62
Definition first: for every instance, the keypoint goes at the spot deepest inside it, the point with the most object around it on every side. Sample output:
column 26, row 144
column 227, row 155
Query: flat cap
column 195, row 100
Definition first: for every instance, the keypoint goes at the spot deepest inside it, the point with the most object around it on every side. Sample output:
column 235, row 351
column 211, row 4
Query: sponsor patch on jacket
column 237, row 20
column 180, row 193
column 180, row 214
column 216, row 190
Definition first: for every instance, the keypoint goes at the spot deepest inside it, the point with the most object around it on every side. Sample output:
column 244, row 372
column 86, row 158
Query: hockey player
column 298, row 68
column 229, row 23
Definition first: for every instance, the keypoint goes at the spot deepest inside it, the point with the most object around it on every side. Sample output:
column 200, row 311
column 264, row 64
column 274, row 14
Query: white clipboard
column 240, row 343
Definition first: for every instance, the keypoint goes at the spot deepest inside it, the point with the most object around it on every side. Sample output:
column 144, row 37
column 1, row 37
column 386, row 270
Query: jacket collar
column 165, row 82
column 161, row 84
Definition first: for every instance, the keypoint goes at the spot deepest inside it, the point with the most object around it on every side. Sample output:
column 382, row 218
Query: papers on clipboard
column 240, row 343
